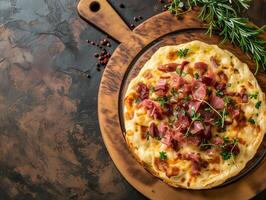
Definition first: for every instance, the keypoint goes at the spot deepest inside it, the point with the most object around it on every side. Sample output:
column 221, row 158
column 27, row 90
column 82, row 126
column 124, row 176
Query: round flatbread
column 194, row 115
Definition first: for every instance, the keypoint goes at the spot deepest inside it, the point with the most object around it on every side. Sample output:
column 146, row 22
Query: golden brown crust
column 177, row 172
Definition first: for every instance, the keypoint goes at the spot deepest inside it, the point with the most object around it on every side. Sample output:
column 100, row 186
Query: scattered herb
column 186, row 98
column 227, row 100
column 219, row 93
column 152, row 89
column 157, row 138
column 183, row 112
column 182, row 53
column 224, row 113
column 218, row 122
column 235, row 142
column 196, row 76
column 147, row 135
column 163, row 100
column 137, row 100
column 226, row 139
column 226, row 155
column 221, row 15
column 252, row 121
column 178, row 71
column 163, row 155
column 254, row 95
column 194, row 117
column 229, row 85
column 184, row 74
column 258, row 104
column 174, row 92
column 208, row 109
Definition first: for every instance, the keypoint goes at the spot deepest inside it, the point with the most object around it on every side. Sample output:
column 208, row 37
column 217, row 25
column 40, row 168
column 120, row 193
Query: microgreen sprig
column 194, row 117
column 182, row 53
column 163, row 155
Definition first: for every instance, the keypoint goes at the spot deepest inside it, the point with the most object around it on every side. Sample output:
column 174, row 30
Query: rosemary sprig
column 223, row 16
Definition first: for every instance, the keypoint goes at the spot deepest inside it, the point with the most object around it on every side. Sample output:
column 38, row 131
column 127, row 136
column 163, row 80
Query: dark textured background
column 50, row 143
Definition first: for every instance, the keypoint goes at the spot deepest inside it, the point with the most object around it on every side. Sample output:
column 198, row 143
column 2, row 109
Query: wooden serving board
column 134, row 50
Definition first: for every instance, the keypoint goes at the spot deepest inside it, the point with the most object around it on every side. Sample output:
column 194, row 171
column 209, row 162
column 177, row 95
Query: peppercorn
column 136, row 19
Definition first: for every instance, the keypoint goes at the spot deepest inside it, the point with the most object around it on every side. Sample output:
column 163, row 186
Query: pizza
column 194, row 115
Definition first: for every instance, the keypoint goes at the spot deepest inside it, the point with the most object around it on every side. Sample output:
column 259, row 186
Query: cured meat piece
column 142, row 91
column 216, row 102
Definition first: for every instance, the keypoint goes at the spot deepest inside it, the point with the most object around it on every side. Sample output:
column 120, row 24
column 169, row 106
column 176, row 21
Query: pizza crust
column 146, row 152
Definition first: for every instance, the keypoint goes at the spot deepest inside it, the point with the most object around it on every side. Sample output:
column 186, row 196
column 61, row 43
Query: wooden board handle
column 102, row 15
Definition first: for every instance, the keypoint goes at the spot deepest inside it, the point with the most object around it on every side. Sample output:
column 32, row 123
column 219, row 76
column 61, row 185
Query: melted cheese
column 147, row 150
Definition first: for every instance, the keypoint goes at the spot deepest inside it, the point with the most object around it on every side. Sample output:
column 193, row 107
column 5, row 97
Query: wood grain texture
column 105, row 19
column 160, row 30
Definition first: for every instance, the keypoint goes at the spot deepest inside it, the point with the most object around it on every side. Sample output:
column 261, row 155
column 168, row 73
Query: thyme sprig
column 223, row 15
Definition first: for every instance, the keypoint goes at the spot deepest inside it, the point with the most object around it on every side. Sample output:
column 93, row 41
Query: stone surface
column 50, row 143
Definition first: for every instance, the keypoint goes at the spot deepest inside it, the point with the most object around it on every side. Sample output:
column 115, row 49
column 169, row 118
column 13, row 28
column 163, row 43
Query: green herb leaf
column 208, row 109
column 186, row 98
column 174, row 92
column 163, row 100
column 226, row 155
column 152, row 89
column 183, row 112
column 226, row 139
column 137, row 100
column 178, row 71
column 182, row 53
column 147, row 135
column 184, row 74
column 254, row 95
column 252, row 121
column 219, row 93
column 258, row 104
column 227, row 100
column 218, row 122
column 196, row 76
column 163, row 155
column 235, row 142
column 195, row 116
